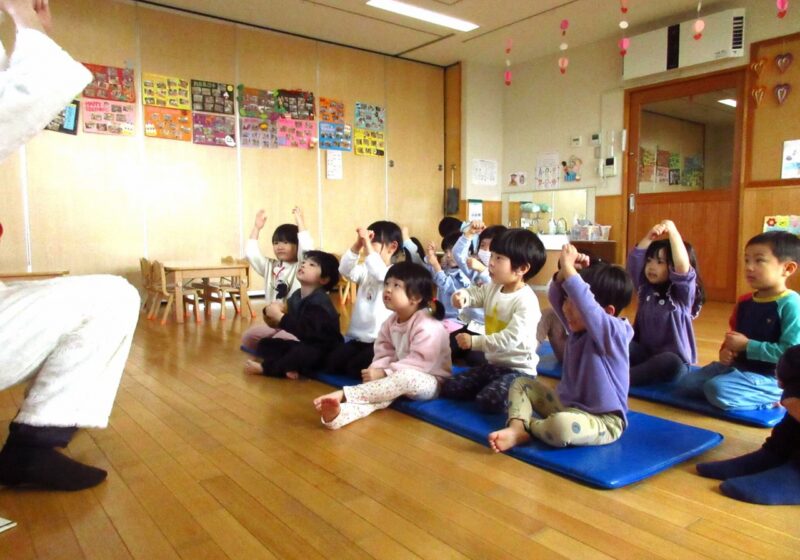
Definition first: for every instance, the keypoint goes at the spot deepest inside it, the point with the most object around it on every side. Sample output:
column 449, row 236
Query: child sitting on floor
column 448, row 278
column 309, row 323
column 591, row 401
column 412, row 353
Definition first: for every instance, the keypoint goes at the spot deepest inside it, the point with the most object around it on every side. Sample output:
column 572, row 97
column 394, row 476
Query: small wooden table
column 16, row 276
column 182, row 271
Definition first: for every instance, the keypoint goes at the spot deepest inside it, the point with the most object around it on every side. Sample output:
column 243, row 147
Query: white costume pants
column 70, row 338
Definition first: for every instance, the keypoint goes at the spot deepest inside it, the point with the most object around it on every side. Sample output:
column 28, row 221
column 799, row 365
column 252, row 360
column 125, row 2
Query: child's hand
column 433, row 260
column 464, row 341
column 261, row 219
column 405, row 233
column 669, row 227
column 371, row 374
column 365, row 236
column 273, row 313
column 475, row 264
column 726, row 356
column 475, row 226
column 299, row 219
column 459, row 300
column 656, row 231
column 735, row 341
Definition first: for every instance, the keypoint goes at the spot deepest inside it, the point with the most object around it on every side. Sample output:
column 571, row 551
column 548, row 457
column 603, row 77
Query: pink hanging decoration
column 563, row 62
column 564, row 26
column 507, row 77
column 509, row 44
column 623, row 6
column 624, row 43
column 699, row 25
column 783, row 7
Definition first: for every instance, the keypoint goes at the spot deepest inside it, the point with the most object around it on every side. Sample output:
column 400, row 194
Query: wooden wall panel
column 452, row 127
column 415, row 143
column 610, row 210
column 359, row 198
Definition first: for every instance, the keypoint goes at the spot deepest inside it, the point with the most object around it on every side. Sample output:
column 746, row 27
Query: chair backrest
column 146, row 268
column 159, row 277
column 235, row 282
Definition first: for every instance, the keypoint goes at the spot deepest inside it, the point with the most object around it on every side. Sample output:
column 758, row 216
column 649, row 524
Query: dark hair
column 788, row 367
column 449, row 241
column 285, row 233
column 419, row 283
column 448, row 225
column 328, row 265
column 784, row 245
column 420, row 248
column 522, row 247
column 490, row 233
column 664, row 244
column 610, row 285
column 386, row 232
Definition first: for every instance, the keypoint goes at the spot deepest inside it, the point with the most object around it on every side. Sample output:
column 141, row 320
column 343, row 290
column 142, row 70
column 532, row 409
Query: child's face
column 385, row 250
column 763, row 270
column 448, row 261
column 573, row 316
column 395, row 297
column 501, row 271
column 656, row 269
column 485, row 245
column 285, row 251
column 309, row 273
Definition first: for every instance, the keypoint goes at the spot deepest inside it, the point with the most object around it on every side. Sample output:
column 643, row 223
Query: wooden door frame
column 682, row 87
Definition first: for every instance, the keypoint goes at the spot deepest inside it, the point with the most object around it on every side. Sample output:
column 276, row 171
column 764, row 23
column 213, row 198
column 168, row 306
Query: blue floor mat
column 648, row 446
column 665, row 393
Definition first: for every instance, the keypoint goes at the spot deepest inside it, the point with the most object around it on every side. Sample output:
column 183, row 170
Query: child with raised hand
column 770, row 475
column 764, row 324
column 590, row 404
column 512, row 313
column 308, row 316
column 289, row 242
column 380, row 241
column 664, row 272
column 448, row 277
column 412, row 355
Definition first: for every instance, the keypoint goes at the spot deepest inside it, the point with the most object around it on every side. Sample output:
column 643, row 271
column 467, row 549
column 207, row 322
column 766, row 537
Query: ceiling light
column 422, row 14
column 728, row 102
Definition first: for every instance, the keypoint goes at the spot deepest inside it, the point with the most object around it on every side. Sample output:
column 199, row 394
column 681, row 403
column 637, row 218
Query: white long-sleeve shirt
column 275, row 271
column 369, row 312
column 511, row 321
column 36, row 82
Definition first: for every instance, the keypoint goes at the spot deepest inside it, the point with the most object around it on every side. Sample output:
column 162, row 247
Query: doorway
column 684, row 163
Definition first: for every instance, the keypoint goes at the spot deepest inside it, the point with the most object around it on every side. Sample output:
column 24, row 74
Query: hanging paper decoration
column 507, row 73
column 624, row 43
column 563, row 62
column 507, row 77
column 564, row 26
column 623, row 6
column 783, row 7
column 699, row 24
column 509, row 44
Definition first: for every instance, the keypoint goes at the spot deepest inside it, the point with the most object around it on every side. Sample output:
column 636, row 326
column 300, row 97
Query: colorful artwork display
column 258, row 133
column 370, row 117
column 66, row 121
column 256, row 103
column 296, row 104
column 790, row 223
column 294, row 133
column 111, row 83
column 790, row 163
column 369, row 143
column 171, row 124
column 212, row 97
column 165, row 91
column 214, row 130
column 693, row 171
column 335, row 136
column 331, row 110
column 109, row 117
column 647, row 164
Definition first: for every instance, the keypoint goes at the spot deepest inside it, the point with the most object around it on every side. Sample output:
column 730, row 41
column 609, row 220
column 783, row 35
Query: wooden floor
column 205, row 462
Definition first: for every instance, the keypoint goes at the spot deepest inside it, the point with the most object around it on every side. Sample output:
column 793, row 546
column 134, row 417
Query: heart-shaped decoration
column 758, row 66
column 782, row 92
column 758, row 94
column 783, row 61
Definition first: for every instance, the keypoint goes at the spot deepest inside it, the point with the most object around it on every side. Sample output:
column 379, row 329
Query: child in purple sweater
column 591, row 401
column 664, row 272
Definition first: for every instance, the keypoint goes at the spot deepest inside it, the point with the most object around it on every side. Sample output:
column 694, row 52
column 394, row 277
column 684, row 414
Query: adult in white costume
column 68, row 337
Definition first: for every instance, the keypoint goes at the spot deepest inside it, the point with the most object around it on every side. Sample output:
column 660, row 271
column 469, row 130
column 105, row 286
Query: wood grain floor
column 206, row 462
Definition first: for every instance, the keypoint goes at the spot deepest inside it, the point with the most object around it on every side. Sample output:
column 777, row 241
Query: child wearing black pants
column 770, row 475
column 309, row 326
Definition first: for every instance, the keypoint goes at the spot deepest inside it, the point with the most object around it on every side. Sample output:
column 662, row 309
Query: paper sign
column 335, row 136
column 170, row 124
column 484, row 172
column 369, row 143
column 258, row 133
column 165, row 91
column 214, row 130
column 334, row 169
column 370, row 117
column 212, row 97
column 66, row 121
column 110, row 83
column 108, row 117
column 295, row 134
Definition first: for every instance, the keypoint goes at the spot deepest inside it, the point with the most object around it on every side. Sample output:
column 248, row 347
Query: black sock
column 755, row 462
column 776, row 486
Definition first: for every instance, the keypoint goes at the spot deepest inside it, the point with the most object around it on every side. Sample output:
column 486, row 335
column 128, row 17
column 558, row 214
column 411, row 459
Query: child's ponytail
column 437, row 309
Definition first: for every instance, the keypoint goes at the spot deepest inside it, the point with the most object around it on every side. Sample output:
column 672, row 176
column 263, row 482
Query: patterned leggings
column 558, row 426
column 364, row 399
column 487, row 384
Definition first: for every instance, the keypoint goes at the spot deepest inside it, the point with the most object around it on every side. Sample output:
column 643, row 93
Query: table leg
column 207, row 296
column 179, row 296
column 245, row 299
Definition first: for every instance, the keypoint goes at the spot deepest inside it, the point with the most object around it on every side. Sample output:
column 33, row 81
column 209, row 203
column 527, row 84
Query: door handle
column 631, row 203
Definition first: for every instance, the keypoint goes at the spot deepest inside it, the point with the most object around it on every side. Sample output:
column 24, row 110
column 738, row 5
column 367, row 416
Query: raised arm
column 680, row 257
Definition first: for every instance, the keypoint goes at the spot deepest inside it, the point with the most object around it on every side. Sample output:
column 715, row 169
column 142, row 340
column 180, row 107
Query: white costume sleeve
column 40, row 80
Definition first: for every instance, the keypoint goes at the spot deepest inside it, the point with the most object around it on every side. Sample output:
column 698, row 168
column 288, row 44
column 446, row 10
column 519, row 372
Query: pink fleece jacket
column 421, row 344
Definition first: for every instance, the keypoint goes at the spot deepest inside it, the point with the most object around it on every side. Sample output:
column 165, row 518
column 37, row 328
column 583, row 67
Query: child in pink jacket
column 412, row 351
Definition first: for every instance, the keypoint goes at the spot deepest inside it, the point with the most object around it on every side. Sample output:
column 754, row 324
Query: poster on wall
column 66, row 121
column 214, row 130
column 647, row 164
column 518, row 179
column 258, row 133
column 334, row 166
column 256, row 103
column 790, row 223
column 170, row 124
column 369, row 143
column 294, row 133
column 484, row 172
column 335, row 136
column 331, row 110
column 296, row 104
column 693, row 171
column 108, row 117
column 548, row 171
column 370, row 117
column 790, row 163
column 212, row 97
column 165, row 91
column 111, row 83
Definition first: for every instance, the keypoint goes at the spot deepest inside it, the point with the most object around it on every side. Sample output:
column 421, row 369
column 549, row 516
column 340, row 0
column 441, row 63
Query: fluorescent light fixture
column 728, row 102
column 422, row 14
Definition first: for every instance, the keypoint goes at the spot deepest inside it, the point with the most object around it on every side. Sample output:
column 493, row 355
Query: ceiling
column 533, row 25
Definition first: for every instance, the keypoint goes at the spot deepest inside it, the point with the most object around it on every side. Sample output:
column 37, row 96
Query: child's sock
column 755, row 462
column 776, row 486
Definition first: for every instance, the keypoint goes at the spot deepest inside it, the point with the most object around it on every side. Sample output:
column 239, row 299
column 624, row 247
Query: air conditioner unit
column 675, row 46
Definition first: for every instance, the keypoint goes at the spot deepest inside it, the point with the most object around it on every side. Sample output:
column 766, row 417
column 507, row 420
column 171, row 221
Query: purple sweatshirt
column 664, row 320
column 595, row 374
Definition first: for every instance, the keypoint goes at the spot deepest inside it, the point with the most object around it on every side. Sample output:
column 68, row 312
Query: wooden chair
column 347, row 291
column 163, row 291
column 219, row 291
column 146, row 268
